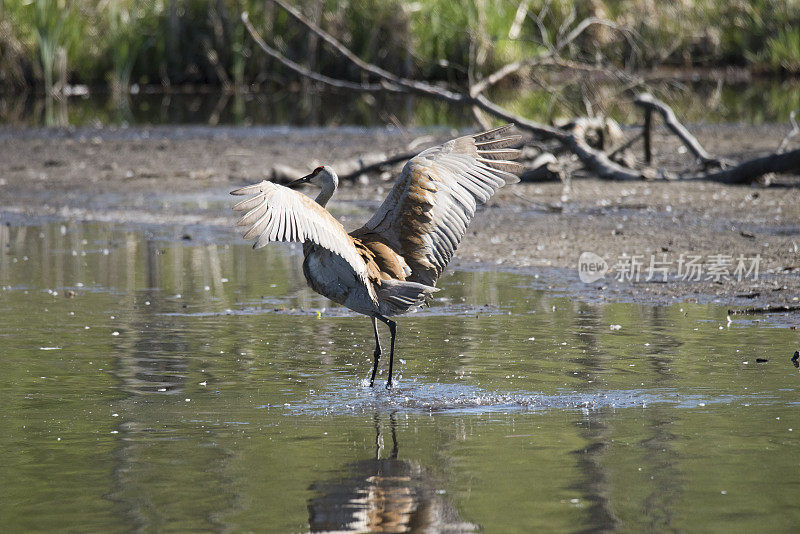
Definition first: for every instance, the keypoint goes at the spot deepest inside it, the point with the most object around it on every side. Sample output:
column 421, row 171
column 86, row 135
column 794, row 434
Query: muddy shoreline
column 180, row 176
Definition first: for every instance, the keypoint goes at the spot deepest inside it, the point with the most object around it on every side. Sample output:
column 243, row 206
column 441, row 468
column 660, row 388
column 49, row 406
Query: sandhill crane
column 390, row 265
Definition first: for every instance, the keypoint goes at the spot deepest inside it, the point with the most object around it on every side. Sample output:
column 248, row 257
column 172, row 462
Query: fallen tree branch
column 503, row 72
column 392, row 80
column 543, row 131
column 411, row 85
column 349, row 169
column 752, row 169
column 303, row 71
column 592, row 158
column 651, row 104
column 596, row 160
column 574, row 138
column 364, row 167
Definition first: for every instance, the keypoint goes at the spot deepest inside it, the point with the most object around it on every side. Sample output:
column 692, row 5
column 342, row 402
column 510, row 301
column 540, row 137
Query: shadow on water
column 155, row 383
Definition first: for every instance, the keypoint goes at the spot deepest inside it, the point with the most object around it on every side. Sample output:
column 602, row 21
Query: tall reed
column 174, row 42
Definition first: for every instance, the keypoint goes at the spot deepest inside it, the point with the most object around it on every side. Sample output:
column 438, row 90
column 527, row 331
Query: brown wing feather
column 426, row 214
column 382, row 261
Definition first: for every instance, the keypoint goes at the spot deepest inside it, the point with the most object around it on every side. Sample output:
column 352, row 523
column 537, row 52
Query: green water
column 190, row 385
column 754, row 102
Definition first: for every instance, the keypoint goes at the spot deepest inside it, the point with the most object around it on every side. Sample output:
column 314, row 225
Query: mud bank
column 180, row 176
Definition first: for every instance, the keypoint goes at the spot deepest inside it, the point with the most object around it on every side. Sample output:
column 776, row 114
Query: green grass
column 121, row 42
column 783, row 50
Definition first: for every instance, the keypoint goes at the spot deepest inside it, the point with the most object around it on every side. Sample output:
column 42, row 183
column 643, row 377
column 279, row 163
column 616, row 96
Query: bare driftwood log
column 651, row 104
column 752, row 169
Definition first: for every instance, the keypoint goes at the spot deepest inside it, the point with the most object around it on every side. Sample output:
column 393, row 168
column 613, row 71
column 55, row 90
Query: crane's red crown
column 316, row 171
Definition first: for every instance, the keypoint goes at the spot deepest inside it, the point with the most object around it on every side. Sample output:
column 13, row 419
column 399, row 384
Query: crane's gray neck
column 329, row 181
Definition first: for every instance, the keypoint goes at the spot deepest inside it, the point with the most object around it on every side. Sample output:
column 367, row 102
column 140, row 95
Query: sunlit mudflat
column 159, row 379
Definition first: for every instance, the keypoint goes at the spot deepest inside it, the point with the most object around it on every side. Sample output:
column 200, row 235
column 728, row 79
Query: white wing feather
column 277, row 213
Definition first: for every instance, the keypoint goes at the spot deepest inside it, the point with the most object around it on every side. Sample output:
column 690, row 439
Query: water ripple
column 417, row 397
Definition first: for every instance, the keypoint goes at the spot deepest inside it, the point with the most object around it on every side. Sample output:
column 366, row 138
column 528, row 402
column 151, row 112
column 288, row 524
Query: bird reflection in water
column 383, row 495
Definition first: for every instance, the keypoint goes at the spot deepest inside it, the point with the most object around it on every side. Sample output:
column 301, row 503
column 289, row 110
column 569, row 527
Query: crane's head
column 323, row 176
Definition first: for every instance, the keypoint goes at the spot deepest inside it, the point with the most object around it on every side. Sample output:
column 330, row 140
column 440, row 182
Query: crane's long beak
column 301, row 181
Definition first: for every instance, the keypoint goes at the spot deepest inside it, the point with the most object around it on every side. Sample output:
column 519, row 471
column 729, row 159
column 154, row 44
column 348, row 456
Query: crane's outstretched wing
column 277, row 213
column 427, row 211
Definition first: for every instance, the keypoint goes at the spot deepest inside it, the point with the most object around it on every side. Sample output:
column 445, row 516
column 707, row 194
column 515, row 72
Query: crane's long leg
column 377, row 350
column 393, row 330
